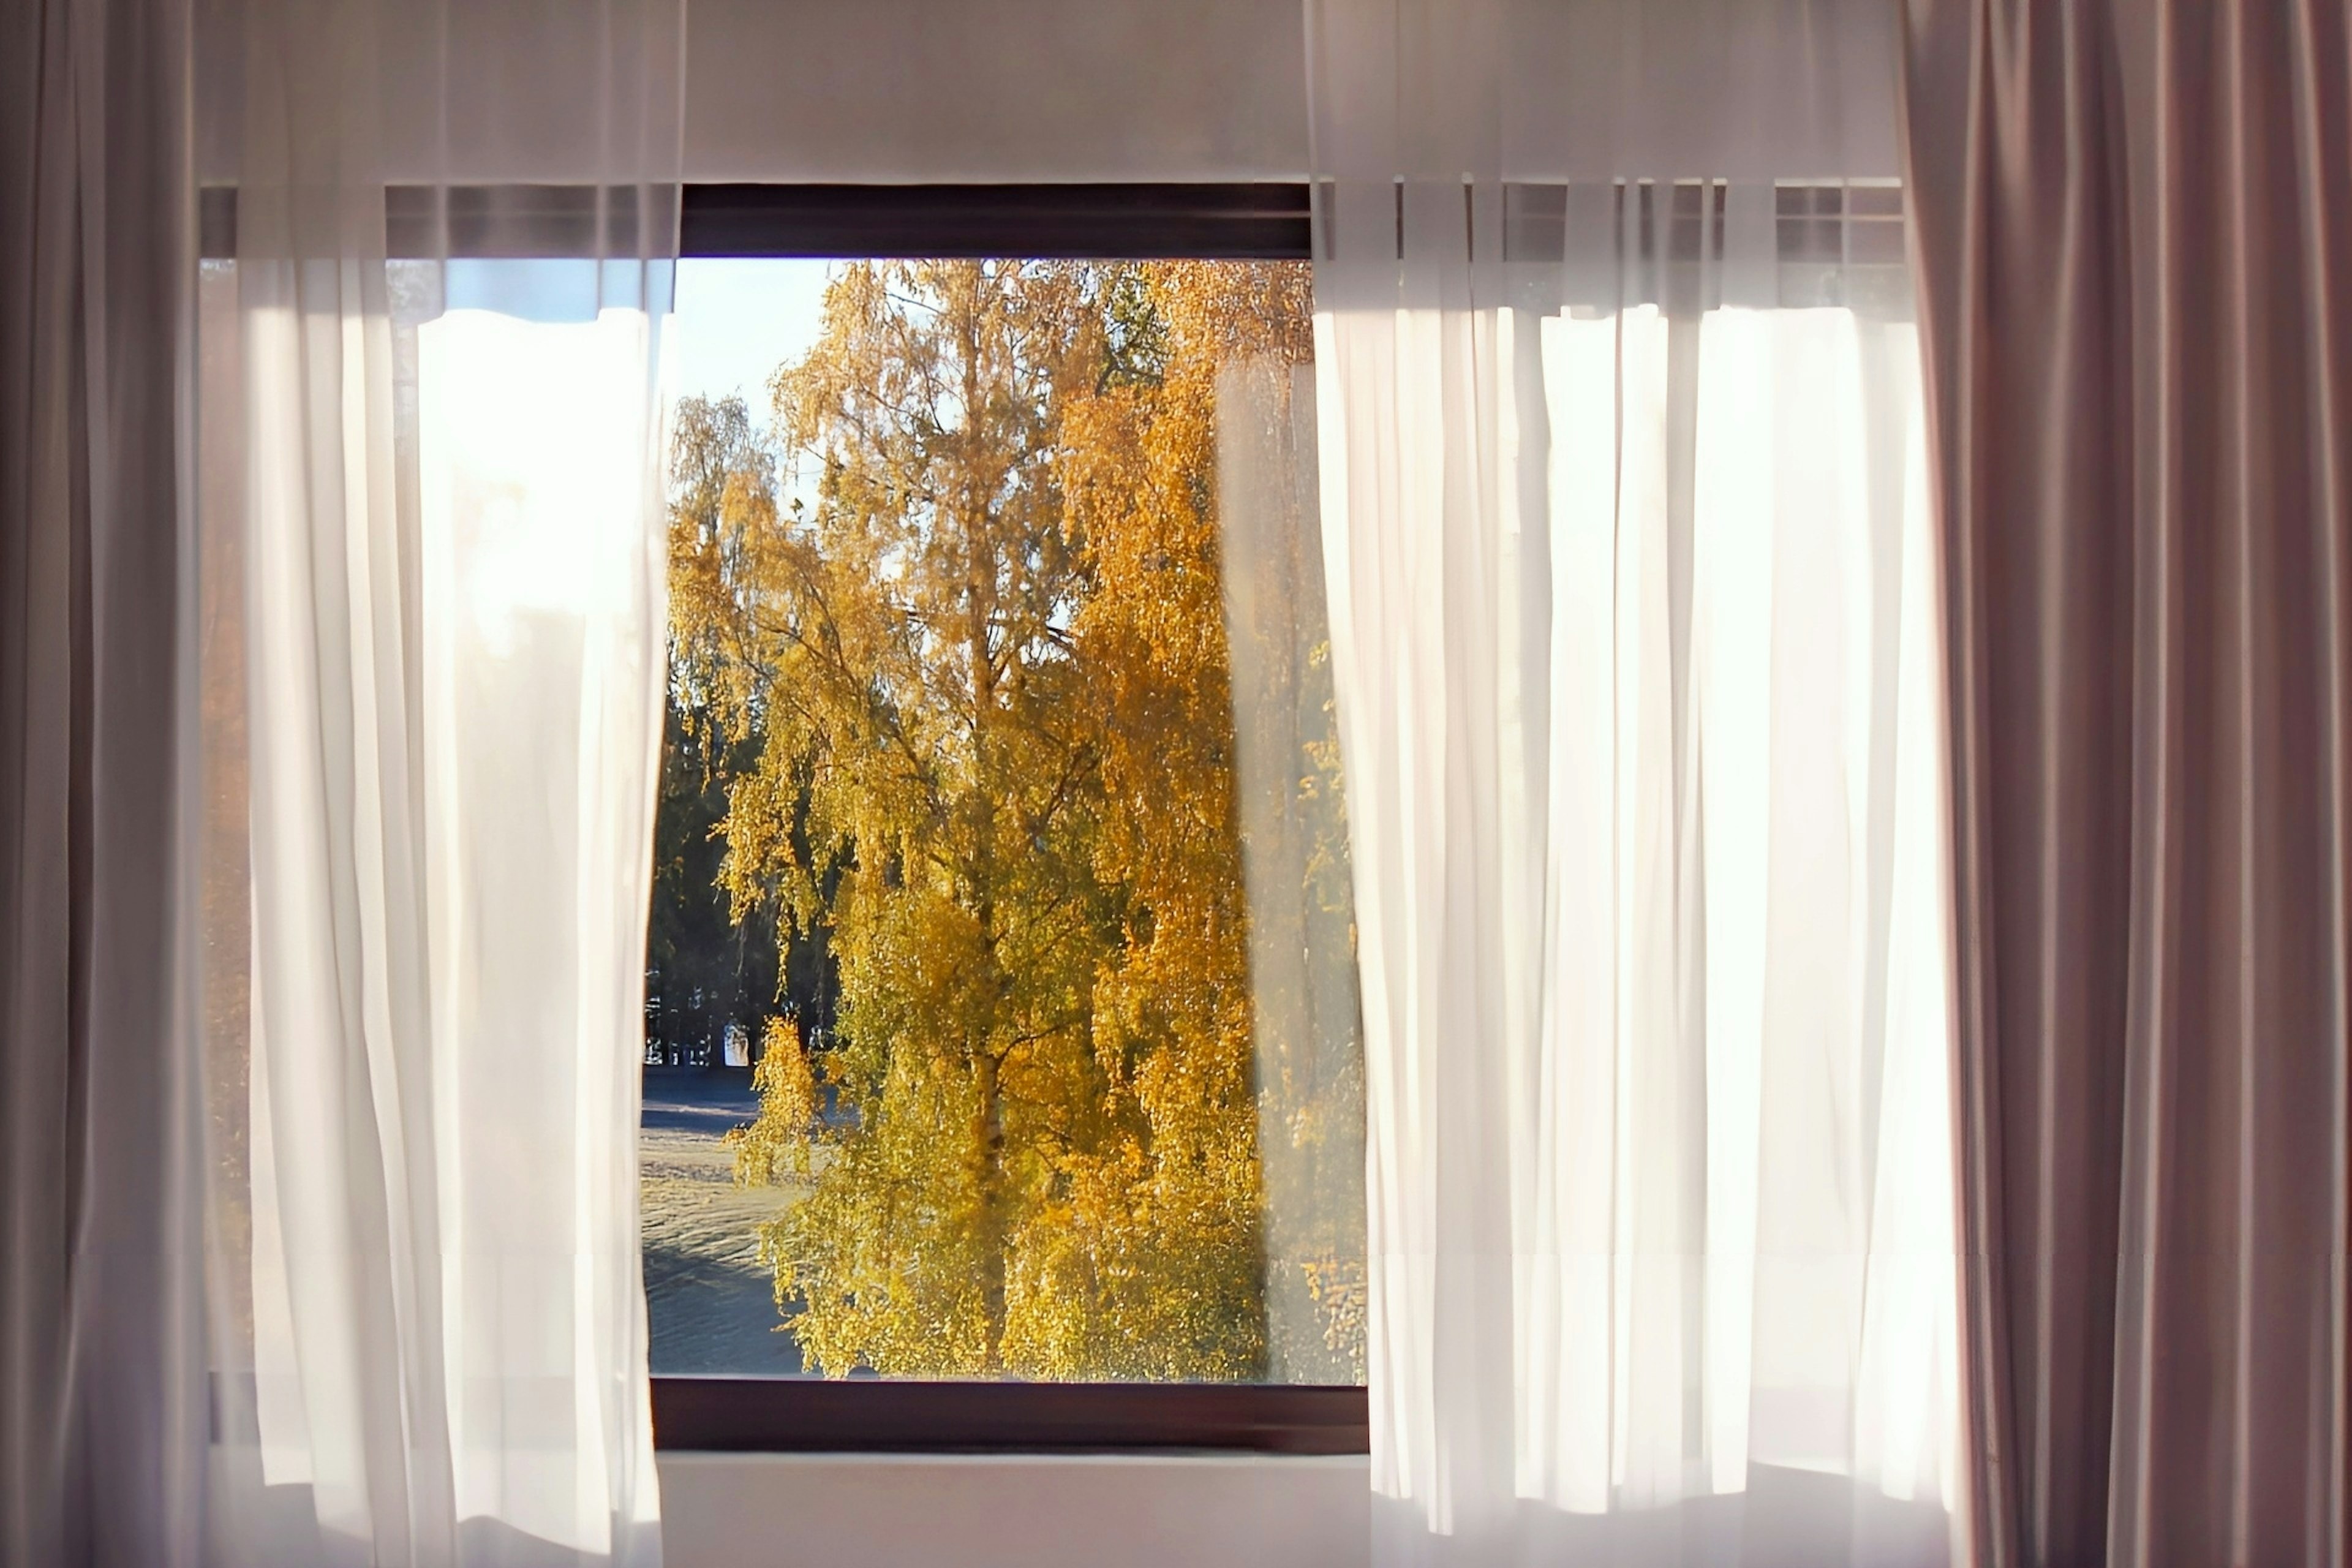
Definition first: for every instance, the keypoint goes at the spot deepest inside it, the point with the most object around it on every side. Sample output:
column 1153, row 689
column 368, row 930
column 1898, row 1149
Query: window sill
column 1013, row 1511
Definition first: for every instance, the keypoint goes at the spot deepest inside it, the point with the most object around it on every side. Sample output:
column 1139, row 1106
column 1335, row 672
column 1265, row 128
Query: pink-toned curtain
column 101, row 1392
column 2133, row 231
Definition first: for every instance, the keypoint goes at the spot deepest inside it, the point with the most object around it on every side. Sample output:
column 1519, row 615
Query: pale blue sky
column 737, row 321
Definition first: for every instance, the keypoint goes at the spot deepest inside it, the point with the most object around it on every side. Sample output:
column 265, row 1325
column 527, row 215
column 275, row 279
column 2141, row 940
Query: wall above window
column 983, row 91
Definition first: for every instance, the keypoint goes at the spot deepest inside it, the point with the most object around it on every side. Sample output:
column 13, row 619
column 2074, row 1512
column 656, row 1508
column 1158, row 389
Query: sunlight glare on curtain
column 1636, row 649
column 436, row 552
column 1646, row 789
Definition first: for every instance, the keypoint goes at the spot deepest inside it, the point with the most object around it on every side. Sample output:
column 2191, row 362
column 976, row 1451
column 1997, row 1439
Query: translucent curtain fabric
column 1635, row 641
column 435, row 658
column 2135, row 227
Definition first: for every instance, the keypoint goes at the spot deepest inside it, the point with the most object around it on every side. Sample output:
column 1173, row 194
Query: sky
column 737, row 321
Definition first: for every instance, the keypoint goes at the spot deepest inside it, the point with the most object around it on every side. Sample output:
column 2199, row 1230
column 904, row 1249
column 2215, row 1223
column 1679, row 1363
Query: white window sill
column 1019, row 1511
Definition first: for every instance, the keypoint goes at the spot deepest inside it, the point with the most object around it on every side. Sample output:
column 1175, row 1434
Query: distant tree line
column 710, row 969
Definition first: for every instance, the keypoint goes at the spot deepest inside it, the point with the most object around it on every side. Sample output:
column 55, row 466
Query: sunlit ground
column 712, row 1302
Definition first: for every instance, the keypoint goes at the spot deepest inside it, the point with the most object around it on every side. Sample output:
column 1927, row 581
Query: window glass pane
column 1001, row 1012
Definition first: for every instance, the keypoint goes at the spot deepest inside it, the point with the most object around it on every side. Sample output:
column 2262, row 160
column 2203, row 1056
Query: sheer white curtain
column 1636, row 642
column 433, row 654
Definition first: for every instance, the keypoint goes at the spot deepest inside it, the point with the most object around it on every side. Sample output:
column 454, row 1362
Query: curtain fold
column 2135, row 234
column 1634, row 638
column 100, row 1377
column 435, row 598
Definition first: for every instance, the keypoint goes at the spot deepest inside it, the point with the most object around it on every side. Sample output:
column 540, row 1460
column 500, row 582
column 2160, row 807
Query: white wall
column 1216, row 90
column 948, row 90
column 952, row 91
column 866, row 1510
column 846, row 90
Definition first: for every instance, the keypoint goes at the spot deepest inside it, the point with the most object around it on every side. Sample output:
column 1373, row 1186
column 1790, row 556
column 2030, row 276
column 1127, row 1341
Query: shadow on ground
column 712, row 1303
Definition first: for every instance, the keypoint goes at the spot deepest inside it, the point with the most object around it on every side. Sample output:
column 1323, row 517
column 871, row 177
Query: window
column 1000, row 1029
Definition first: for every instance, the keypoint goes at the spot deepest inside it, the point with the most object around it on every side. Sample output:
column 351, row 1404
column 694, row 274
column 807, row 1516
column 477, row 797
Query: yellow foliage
column 977, row 629
column 777, row 1143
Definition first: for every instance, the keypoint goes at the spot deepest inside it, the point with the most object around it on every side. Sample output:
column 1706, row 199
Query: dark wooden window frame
column 1250, row 222
column 1257, row 222
column 878, row 1416
column 1265, row 222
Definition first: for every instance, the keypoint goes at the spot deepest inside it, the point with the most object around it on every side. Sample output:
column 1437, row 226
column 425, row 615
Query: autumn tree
column 1192, row 474
column 976, row 630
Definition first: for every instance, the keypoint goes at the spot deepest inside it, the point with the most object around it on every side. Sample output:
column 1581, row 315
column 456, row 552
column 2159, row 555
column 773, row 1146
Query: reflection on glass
column 1001, row 1010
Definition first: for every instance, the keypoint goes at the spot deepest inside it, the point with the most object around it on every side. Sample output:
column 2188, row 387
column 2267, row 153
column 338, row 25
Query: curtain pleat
column 2136, row 269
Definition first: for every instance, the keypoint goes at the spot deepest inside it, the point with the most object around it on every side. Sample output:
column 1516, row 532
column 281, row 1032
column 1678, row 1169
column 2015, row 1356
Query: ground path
column 712, row 1304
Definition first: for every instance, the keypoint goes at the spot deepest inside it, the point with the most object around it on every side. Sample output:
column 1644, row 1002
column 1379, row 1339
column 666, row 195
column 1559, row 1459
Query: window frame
column 884, row 1415
column 1094, row 222
column 1251, row 222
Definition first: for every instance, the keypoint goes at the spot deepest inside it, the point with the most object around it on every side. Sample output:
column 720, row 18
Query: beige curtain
column 2134, row 241
column 100, row 1393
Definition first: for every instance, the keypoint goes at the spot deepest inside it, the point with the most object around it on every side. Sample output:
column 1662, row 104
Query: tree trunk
column 989, row 1133
column 979, row 606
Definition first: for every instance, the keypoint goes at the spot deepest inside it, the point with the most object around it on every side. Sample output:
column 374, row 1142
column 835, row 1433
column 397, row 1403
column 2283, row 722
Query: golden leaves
column 778, row 1144
column 982, row 648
